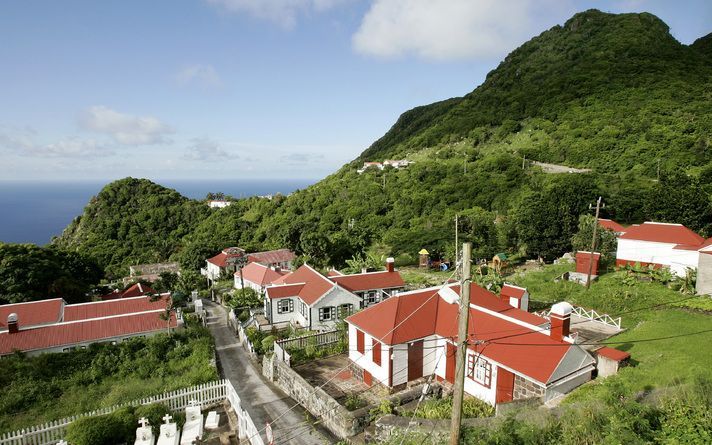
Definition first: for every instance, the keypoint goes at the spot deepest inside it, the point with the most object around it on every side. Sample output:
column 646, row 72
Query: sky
column 235, row 89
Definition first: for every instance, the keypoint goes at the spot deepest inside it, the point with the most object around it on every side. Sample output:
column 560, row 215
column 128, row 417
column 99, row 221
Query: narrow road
column 263, row 400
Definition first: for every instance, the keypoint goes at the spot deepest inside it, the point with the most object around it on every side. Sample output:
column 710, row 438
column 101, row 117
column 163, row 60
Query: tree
column 606, row 242
column 679, row 198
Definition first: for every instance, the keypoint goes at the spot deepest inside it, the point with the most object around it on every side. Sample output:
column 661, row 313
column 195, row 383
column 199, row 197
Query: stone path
column 261, row 398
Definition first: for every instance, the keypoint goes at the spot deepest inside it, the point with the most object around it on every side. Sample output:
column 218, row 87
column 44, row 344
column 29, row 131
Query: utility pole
column 457, row 248
column 464, row 165
column 459, row 386
column 593, row 242
column 524, row 159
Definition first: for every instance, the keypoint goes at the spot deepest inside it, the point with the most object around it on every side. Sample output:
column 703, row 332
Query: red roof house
column 53, row 326
column 308, row 299
column 135, row 290
column 611, row 225
column 257, row 276
column 414, row 334
column 660, row 244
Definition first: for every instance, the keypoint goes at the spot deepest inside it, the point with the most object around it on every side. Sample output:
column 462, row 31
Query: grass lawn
column 656, row 363
column 54, row 386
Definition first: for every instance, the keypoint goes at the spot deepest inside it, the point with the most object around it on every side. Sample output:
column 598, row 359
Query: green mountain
column 613, row 93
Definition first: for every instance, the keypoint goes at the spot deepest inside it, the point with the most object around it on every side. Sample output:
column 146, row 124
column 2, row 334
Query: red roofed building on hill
column 54, row 326
column 221, row 263
column 660, row 244
column 257, row 277
column 371, row 287
column 514, row 354
column 135, row 290
column 307, row 299
column 611, row 225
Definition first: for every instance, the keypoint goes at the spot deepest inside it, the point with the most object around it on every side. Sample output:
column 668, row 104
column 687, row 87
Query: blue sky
column 248, row 88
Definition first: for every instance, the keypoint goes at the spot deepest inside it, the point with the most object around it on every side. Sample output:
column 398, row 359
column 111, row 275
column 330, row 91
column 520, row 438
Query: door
column 450, row 363
column 505, row 386
column 415, row 360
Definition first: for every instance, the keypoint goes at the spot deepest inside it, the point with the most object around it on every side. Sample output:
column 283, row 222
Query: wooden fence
column 206, row 395
column 321, row 339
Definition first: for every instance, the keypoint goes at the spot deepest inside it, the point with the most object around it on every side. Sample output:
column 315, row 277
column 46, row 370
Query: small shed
column 424, row 258
column 610, row 360
column 583, row 259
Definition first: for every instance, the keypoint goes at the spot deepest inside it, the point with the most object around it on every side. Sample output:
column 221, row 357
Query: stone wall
column 704, row 274
column 526, row 389
column 432, row 431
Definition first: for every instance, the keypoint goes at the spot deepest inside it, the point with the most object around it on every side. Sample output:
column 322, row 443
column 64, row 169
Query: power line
column 642, row 340
column 435, row 293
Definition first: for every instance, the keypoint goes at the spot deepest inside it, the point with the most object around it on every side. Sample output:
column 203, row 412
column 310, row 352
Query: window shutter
column 321, row 314
column 332, row 310
column 291, row 305
column 376, row 350
column 359, row 341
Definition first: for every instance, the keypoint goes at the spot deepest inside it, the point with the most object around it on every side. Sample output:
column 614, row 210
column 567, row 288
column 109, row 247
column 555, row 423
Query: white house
column 412, row 335
column 222, row 262
column 218, row 204
column 660, row 244
column 308, row 299
column 257, row 277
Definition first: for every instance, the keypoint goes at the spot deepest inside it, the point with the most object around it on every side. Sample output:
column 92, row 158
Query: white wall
column 334, row 297
column 478, row 390
column 365, row 360
column 248, row 285
column 213, row 271
column 659, row 253
column 287, row 316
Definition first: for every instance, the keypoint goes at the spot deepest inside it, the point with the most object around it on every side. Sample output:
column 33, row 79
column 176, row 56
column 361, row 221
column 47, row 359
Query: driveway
column 262, row 399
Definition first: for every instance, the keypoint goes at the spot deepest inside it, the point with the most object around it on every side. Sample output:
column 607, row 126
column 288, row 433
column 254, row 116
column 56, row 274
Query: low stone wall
column 334, row 416
column 514, row 405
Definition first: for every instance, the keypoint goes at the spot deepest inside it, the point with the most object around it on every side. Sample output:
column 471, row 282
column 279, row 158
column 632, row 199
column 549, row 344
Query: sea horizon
column 37, row 210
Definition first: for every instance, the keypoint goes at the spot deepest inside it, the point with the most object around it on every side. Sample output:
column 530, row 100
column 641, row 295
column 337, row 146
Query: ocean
column 35, row 211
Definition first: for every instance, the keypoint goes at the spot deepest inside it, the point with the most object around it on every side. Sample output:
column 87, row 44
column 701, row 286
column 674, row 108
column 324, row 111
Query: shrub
column 268, row 343
column 109, row 429
column 354, row 402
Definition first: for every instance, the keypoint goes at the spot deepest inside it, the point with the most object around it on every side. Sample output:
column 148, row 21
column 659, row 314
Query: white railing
column 206, row 395
column 247, row 429
column 589, row 314
column 595, row 316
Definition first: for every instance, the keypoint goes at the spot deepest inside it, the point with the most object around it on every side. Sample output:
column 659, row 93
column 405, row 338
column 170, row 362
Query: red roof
column 512, row 291
column 420, row 314
column 664, row 233
column 611, row 225
column 61, row 334
column 32, row 313
column 369, row 281
column 613, row 354
column 136, row 290
column 272, row 256
column 98, row 309
column 259, row 274
column 333, row 273
column 314, row 285
column 284, row 290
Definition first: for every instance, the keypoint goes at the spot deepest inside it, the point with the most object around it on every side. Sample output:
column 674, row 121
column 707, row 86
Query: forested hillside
column 614, row 93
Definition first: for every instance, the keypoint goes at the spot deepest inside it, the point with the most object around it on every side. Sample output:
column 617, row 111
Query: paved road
column 262, row 399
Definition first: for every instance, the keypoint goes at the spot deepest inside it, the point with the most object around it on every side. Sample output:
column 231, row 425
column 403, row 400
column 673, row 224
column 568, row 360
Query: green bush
column 268, row 343
column 110, row 429
column 442, row 409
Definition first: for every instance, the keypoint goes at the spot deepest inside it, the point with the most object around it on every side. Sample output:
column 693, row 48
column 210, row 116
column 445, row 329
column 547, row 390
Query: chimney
column 12, row 324
column 277, row 269
column 390, row 264
column 560, row 320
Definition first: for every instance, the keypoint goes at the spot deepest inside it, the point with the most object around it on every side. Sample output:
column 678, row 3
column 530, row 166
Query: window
column 376, row 350
column 480, row 370
column 370, row 298
column 327, row 313
column 285, row 305
column 359, row 341
column 345, row 310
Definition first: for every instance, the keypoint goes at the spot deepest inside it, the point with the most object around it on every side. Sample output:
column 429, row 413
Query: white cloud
column 203, row 75
column 301, row 158
column 205, row 149
column 447, row 29
column 22, row 142
column 282, row 12
column 125, row 128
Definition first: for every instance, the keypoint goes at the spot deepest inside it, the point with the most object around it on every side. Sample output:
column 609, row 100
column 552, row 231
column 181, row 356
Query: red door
column 450, row 363
column 415, row 360
column 505, row 386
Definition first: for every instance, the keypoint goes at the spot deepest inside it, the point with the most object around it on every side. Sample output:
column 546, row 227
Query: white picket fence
column 206, row 395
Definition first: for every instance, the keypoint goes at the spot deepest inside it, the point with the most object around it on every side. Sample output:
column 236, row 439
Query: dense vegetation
column 53, row 386
column 29, row 272
column 614, row 93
